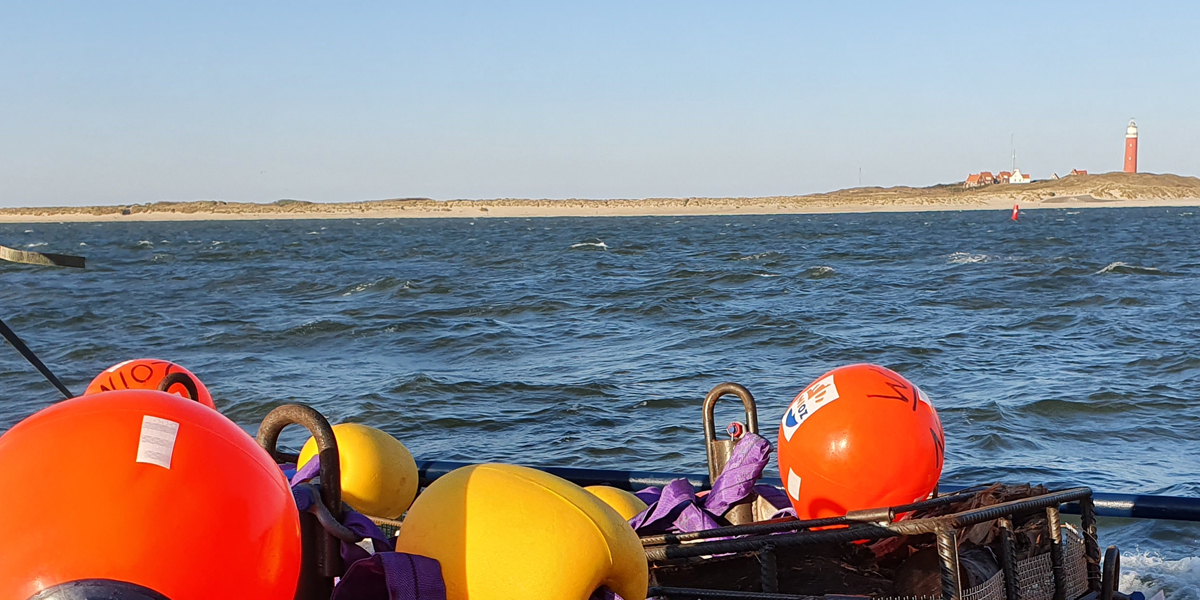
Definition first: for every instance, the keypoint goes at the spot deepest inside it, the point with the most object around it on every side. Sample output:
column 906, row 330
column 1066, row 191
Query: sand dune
column 1105, row 190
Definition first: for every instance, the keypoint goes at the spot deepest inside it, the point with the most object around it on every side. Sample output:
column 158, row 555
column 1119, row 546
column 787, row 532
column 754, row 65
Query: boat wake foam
column 1150, row 574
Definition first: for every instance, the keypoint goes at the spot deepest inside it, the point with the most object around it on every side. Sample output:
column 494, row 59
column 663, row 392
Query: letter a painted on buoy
column 1016, row 211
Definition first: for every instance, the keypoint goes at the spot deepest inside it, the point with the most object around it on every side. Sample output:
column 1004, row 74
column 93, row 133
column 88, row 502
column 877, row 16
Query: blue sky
column 138, row 102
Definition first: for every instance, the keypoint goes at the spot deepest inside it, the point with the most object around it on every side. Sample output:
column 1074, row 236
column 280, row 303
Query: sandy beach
column 1110, row 190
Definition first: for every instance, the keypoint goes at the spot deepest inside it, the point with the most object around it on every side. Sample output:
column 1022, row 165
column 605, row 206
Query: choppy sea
column 1063, row 348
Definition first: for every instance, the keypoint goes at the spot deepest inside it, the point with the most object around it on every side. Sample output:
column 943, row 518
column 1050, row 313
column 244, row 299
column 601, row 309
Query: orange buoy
column 134, row 492
column 860, row 436
column 146, row 374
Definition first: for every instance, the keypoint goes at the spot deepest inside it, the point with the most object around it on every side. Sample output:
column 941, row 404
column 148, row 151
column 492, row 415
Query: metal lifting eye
column 183, row 379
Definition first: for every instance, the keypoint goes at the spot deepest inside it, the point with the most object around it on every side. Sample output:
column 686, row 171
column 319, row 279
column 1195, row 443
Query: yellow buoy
column 379, row 476
column 625, row 503
column 503, row 532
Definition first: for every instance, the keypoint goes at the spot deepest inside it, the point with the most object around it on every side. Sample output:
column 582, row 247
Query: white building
column 1018, row 177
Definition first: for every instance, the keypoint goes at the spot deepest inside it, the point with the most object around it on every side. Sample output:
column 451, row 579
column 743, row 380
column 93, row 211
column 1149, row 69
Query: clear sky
column 111, row 102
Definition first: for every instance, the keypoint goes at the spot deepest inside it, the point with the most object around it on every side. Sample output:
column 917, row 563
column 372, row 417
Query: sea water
column 1063, row 348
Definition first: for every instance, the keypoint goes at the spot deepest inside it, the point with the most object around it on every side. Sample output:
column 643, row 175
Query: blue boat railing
column 1135, row 506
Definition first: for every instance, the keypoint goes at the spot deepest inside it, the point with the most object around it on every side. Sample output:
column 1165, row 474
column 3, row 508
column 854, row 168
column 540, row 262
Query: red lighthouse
column 1131, row 148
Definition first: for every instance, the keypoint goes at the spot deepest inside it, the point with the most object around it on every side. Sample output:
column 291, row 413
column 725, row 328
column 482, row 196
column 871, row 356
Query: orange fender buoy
column 135, row 490
column 146, row 374
column 859, row 437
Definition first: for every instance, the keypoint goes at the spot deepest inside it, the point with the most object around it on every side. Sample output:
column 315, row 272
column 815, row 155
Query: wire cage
column 791, row 559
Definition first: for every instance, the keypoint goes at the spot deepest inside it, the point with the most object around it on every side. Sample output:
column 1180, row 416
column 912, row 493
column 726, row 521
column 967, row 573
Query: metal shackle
column 720, row 450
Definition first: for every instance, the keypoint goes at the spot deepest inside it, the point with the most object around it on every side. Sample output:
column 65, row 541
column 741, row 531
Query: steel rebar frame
column 763, row 538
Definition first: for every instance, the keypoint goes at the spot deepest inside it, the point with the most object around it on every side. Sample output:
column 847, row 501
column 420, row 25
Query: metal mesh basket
column 1075, row 562
column 992, row 589
column 1035, row 576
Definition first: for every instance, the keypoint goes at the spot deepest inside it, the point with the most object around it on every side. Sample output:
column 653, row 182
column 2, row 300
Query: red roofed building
column 986, row 178
column 972, row 180
column 1003, row 177
column 1078, row 172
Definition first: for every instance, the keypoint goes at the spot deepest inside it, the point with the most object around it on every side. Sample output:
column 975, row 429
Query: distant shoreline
column 539, row 212
column 1112, row 190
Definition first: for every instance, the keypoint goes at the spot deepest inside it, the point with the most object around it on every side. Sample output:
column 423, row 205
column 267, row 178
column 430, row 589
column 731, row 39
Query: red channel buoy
column 1016, row 212
column 138, row 494
column 146, row 374
column 860, row 436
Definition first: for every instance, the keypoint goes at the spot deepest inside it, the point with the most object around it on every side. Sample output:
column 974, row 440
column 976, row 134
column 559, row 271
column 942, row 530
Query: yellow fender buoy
column 379, row 475
column 625, row 503
column 503, row 532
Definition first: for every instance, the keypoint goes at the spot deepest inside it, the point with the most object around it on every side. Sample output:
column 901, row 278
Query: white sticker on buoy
column 793, row 485
column 923, row 398
column 117, row 367
column 812, row 399
column 157, row 443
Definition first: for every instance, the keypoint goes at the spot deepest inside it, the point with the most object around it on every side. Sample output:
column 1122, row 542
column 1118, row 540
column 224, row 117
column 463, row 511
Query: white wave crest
column 759, row 255
column 145, row 244
column 1122, row 267
column 36, row 245
column 818, row 272
column 963, row 258
column 600, row 245
column 1150, row 574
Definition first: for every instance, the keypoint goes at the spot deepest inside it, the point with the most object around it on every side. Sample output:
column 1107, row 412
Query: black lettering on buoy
column 898, row 386
column 134, row 373
column 939, row 449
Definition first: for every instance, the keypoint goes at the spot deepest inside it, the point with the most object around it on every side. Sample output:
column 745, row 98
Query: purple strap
column 303, row 497
column 694, row 518
column 308, row 471
column 353, row 520
column 660, row 516
column 675, row 508
column 649, row 495
column 392, row 576
column 736, row 481
column 603, row 593
column 361, row 525
column 773, row 495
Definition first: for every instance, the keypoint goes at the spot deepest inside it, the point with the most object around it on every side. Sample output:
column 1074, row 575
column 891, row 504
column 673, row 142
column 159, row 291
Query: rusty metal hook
column 329, row 560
